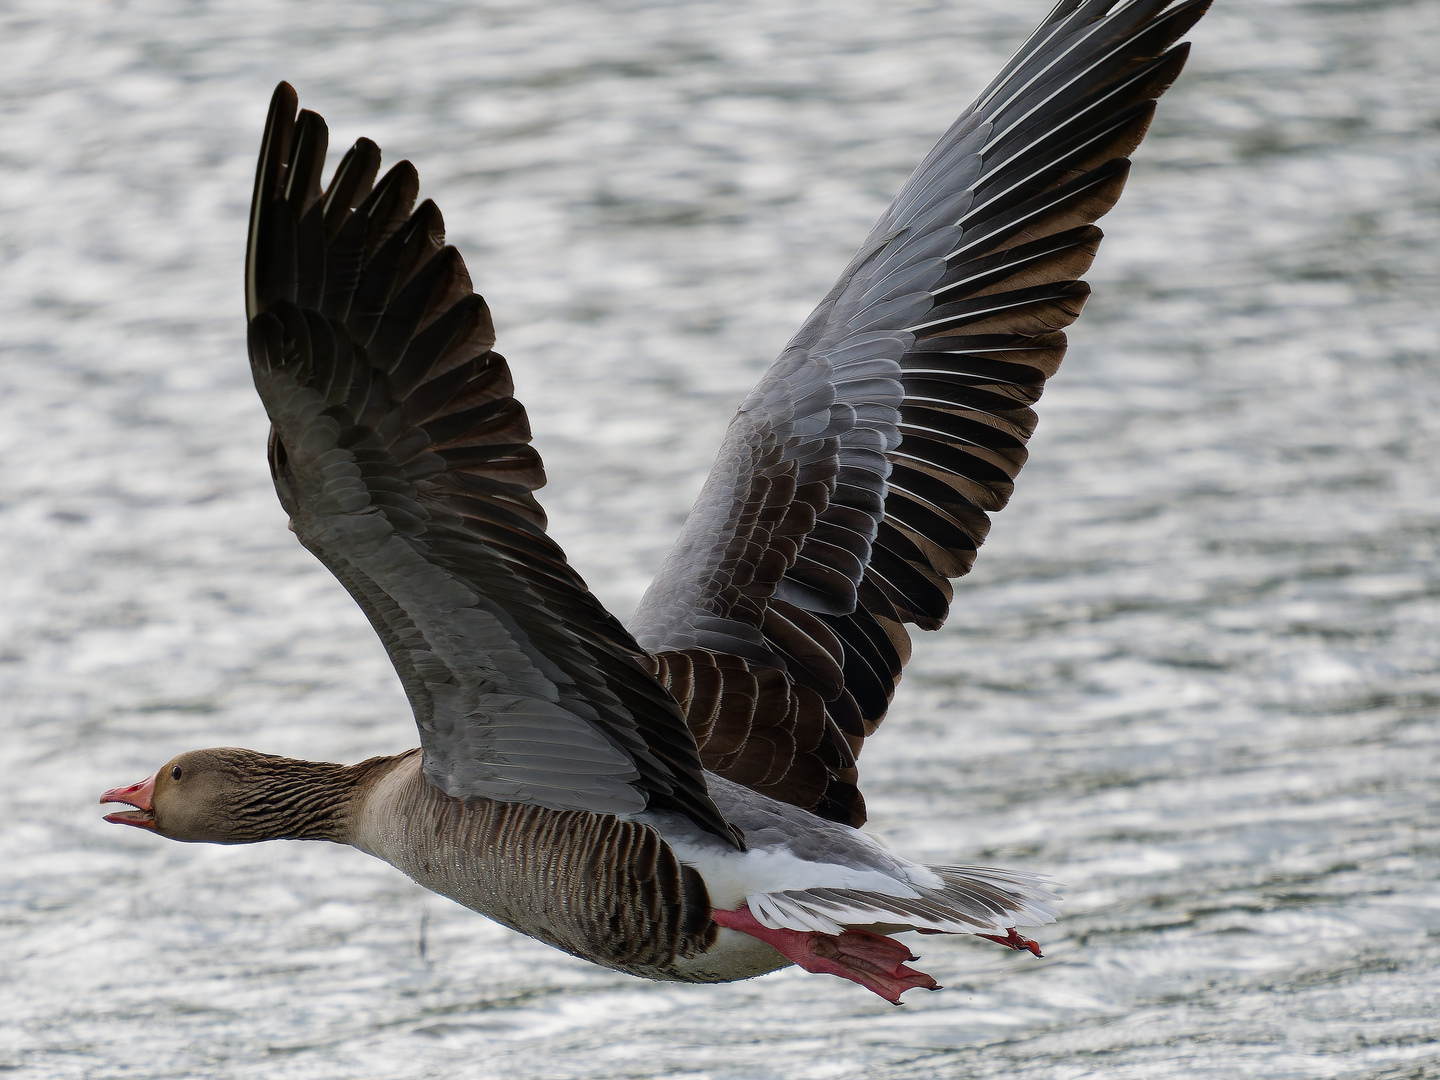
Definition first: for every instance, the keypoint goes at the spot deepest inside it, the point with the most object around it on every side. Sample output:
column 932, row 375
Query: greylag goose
column 676, row 799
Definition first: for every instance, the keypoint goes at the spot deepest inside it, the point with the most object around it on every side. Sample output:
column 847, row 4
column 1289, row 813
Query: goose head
column 228, row 795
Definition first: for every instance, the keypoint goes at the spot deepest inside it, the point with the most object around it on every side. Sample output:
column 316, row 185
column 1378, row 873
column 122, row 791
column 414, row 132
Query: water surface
column 1194, row 674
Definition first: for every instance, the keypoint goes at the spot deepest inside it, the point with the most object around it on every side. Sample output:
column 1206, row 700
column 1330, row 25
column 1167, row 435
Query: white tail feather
column 972, row 900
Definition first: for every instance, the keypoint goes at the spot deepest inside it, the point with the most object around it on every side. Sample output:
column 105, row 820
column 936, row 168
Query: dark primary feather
column 405, row 464
column 857, row 479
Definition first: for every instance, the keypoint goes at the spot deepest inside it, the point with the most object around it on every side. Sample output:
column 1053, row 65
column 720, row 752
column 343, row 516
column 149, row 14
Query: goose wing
column 856, row 480
column 405, row 465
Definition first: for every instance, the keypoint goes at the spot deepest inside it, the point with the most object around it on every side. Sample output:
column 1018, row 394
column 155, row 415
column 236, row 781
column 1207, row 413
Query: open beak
column 138, row 796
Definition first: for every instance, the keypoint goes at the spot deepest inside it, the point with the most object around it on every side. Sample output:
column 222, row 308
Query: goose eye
column 175, row 773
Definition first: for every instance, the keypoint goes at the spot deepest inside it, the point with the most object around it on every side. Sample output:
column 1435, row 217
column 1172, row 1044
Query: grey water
column 1195, row 674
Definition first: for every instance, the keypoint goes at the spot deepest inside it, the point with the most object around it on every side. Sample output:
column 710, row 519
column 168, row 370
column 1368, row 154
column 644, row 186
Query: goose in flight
column 677, row 798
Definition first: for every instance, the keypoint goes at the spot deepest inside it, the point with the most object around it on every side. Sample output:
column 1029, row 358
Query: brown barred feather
column 607, row 890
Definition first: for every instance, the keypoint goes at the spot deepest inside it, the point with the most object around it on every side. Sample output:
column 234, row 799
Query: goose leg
column 874, row 961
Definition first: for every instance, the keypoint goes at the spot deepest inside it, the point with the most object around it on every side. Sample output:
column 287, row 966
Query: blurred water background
column 1193, row 676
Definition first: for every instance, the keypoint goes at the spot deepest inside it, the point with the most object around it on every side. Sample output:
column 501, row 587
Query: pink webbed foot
column 874, row 961
column 1013, row 940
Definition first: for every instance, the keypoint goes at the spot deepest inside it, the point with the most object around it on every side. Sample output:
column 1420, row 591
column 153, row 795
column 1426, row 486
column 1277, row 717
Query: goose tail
column 982, row 900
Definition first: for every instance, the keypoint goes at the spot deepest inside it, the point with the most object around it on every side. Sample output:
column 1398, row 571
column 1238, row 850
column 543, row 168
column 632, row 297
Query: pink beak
column 138, row 796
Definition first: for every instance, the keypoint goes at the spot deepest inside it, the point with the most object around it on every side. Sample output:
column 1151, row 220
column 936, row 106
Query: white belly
column 734, row 956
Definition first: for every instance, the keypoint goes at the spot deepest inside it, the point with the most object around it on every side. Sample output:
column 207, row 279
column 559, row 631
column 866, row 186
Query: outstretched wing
column 856, row 479
column 406, row 467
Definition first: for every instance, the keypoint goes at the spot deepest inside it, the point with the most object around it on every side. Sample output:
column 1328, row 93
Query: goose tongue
column 138, row 796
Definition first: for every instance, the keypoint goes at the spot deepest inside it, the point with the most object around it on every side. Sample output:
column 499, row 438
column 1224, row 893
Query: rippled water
column 1194, row 674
